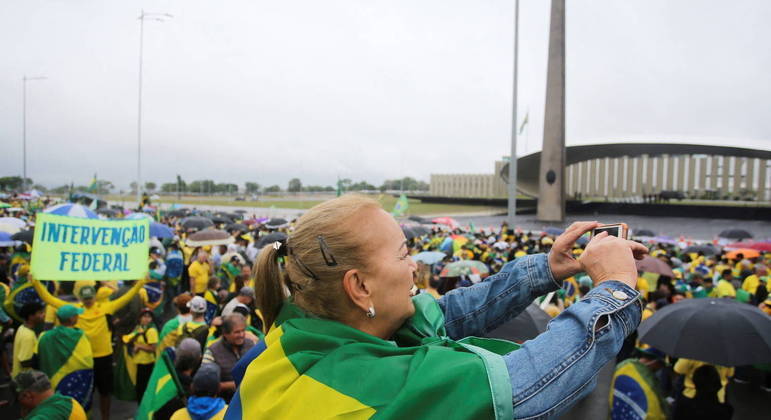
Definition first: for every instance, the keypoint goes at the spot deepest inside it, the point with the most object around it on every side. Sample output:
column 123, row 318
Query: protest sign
column 73, row 248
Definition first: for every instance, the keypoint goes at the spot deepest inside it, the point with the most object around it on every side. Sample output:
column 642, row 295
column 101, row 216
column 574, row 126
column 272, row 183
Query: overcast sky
column 244, row 90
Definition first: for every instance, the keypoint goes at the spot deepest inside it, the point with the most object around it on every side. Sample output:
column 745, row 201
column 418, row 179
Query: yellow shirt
column 643, row 286
column 751, row 284
column 687, row 367
column 199, row 273
column 142, row 357
column 93, row 321
column 182, row 414
column 23, row 348
column 725, row 289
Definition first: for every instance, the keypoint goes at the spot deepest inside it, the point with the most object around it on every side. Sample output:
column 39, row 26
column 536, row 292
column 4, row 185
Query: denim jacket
column 556, row 369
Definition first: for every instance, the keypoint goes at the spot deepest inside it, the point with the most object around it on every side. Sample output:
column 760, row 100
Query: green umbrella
column 464, row 267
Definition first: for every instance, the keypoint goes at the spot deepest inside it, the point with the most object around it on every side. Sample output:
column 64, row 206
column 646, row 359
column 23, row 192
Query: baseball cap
column 207, row 380
column 29, row 379
column 197, row 304
column 68, row 311
column 87, row 292
column 247, row 291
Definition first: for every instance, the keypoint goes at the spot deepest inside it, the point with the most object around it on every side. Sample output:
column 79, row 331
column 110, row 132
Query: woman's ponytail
column 268, row 284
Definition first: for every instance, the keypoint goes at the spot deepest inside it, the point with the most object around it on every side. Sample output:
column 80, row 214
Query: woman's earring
column 371, row 312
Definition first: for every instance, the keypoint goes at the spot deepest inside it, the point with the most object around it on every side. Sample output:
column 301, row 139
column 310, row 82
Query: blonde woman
column 351, row 342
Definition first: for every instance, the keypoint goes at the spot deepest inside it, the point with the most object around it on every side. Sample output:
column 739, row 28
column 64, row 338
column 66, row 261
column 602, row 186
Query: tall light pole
column 158, row 17
column 513, row 156
column 24, row 80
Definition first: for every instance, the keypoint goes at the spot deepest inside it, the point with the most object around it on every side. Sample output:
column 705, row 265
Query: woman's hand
column 612, row 258
column 561, row 260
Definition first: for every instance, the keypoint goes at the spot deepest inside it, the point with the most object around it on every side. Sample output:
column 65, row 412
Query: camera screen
column 614, row 231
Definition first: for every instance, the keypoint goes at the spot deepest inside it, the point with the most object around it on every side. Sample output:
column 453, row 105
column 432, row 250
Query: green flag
column 401, row 206
column 162, row 388
column 339, row 187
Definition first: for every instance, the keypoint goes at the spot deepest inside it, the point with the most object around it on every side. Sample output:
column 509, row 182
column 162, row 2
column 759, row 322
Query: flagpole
column 512, row 190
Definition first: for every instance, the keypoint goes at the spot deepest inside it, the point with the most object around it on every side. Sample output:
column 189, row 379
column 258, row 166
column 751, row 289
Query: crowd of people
column 200, row 306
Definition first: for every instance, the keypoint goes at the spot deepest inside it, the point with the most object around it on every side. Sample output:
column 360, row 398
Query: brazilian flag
column 635, row 393
column 64, row 354
column 22, row 293
column 570, row 289
column 401, row 206
column 125, row 378
column 316, row 368
column 162, row 387
column 57, row 406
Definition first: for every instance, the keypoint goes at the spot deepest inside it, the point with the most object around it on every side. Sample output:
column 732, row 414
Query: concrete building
column 630, row 171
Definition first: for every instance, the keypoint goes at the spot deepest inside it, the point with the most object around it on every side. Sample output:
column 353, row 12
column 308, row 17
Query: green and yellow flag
column 125, row 378
column 92, row 188
column 316, row 368
column 64, row 354
column 58, row 406
column 635, row 394
column 401, row 206
column 162, row 388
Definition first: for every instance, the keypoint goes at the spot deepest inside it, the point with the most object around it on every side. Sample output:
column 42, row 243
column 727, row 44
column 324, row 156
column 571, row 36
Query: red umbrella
column 449, row 221
column 757, row 246
column 654, row 265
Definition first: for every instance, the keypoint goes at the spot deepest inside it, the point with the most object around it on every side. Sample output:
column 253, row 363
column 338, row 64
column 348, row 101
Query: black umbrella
column 107, row 212
column 719, row 331
column 24, row 236
column 704, row 249
column 413, row 231
column 421, row 220
column 221, row 220
column 196, row 222
column 644, row 232
column 236, row 226
column 227, row 215
column 269, row 239
column 241, row 212
column 738, row 234
column 177, row 213
column 525, row 326
column 276, row 223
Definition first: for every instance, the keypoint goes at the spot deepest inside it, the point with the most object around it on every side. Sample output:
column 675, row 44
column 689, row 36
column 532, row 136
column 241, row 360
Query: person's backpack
column 197, row 332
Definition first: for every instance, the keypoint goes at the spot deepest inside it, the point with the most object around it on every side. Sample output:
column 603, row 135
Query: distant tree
column 40, row 188
column 329, row 188
column 169, row 187
column 361, row 186
column 406, row 183
column 104, row 186
column 226, row 188
column 150, row 186
column 252, row 187
column 10, row 183
column 63, row 189
column 273, row 189
column 181, row 185
column 295, row 185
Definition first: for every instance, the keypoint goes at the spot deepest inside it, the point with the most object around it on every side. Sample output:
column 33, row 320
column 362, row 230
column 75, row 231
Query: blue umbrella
column 429, row 257
column 159, row 230
column 138, row 216
column 446, row 246
column 71, row 210
column 554, row 231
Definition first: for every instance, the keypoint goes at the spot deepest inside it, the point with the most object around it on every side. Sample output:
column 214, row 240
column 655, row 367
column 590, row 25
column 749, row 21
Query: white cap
column 197, row 305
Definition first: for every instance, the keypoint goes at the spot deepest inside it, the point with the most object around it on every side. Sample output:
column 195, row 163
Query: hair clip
column 326, row 252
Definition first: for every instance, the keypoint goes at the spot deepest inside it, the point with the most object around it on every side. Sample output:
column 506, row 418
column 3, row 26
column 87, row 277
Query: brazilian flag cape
column 21, row 293
column 635, row 393
column 65, row 356
column 315, row 368
column 57, row 406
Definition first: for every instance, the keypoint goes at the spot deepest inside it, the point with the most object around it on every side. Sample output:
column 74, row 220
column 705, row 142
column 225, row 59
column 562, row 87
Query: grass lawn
column 416, row 207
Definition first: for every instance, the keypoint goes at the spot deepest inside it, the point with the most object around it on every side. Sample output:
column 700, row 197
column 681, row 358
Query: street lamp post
column 24, row 80
column 512, row 214
column 158, row 17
